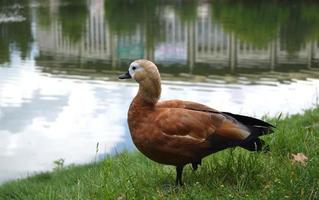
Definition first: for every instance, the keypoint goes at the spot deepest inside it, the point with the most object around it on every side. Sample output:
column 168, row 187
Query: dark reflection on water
column 197, row 38
column 59, row 61
column 15, row 29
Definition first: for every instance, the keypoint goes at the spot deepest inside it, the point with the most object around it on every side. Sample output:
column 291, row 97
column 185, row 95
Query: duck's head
column 140, row 70
column 146, row 74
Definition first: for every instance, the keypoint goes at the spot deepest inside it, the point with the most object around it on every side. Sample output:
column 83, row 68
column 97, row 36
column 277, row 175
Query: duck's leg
column 195, row 165
column 179, row 174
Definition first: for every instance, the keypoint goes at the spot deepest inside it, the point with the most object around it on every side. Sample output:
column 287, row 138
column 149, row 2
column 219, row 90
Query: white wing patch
column 184, row 136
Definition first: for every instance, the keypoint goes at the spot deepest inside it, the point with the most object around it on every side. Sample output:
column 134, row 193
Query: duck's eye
column 134, row 68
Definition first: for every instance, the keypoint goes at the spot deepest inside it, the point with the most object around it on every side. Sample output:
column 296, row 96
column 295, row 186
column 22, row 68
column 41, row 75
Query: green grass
column 230, row 174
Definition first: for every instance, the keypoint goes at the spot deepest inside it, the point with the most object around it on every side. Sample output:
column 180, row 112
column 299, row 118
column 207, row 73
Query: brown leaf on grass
column 299, row 158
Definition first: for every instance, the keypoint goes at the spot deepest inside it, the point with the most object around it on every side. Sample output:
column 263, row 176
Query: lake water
column 59, row 62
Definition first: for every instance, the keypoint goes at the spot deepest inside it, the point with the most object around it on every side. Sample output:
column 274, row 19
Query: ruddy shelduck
column 177, row 132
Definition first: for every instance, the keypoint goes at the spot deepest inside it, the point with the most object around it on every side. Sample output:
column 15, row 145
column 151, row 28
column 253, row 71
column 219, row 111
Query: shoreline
column 229, row 174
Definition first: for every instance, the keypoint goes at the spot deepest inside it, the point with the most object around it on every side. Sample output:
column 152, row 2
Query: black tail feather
column 257, row 128
column 249, row 120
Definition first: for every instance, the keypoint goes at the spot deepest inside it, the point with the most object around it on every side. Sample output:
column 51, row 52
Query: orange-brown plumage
column 177, row 132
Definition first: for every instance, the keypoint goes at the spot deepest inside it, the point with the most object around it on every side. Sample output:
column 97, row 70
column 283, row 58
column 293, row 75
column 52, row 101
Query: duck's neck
column 149, row 91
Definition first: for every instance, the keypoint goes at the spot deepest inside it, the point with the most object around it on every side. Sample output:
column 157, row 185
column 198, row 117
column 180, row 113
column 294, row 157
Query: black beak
column 125, row 76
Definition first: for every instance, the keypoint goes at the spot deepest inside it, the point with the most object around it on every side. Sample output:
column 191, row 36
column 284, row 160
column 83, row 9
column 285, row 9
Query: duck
column 177, row 132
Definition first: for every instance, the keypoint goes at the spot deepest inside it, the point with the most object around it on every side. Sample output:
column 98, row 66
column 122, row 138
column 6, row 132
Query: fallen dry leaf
column 299, row 158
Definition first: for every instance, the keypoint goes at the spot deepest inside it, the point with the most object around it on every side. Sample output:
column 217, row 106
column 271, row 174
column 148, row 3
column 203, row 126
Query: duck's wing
column 255, row 125
column 201, row 120
column 199, row 125
column 192, row 121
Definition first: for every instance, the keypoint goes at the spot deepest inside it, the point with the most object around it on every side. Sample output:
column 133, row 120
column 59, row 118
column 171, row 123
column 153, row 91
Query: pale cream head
column 141, row 69
column 146, row 74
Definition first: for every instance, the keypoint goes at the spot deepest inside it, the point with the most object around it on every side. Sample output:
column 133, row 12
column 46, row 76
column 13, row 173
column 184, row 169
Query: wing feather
column 198, row 124
column 194, row 122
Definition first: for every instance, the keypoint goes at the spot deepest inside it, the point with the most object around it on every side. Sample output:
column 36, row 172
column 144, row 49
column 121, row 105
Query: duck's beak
column 125, row 76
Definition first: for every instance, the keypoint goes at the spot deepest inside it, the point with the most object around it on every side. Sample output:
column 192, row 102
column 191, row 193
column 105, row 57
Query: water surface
column 59, row 62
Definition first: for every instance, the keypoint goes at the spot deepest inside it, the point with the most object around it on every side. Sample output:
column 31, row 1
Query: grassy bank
column 230, row 174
